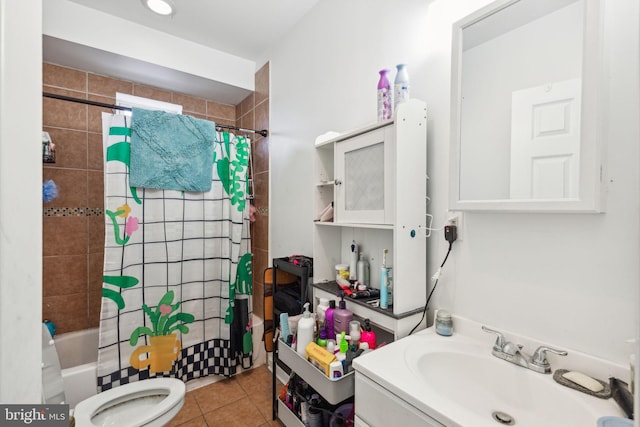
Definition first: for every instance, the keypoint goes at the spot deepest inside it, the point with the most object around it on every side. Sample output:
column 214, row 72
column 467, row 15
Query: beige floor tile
column 241, row 413
column 216, row 395
column 189, row 411
column 196, row 422
column 255, row 380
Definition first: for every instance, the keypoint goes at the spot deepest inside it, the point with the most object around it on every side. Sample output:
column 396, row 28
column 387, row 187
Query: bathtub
column 78, row 354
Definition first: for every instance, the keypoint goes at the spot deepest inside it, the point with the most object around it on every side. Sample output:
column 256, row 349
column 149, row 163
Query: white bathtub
column 78, row 354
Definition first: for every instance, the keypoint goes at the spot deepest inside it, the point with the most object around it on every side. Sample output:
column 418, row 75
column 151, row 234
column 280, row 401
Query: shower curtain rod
column 263, row 132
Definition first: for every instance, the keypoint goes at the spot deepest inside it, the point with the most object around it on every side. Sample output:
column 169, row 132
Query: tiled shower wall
column 73, row 223
column 253, row 113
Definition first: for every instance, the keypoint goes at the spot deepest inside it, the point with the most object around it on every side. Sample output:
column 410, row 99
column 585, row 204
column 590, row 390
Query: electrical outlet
column 455, row 218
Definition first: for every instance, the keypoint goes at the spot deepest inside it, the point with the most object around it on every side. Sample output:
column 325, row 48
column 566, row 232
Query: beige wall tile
column 221, row 111
column 71, row 148
column 68, row 312
column 64, row 275
column 72, row 187
column 64, row 236
column 55, row 75
column 108, row 86
column 64, row 114
column 95, row 157
column 151, row 93
column 190, row 104
column 262, row 84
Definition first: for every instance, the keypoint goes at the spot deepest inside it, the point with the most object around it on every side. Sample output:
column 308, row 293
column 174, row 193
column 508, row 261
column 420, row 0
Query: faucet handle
column 499, row 344
column 539, row 357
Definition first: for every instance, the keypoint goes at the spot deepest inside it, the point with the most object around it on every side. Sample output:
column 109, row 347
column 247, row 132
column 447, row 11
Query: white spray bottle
column 305, row 331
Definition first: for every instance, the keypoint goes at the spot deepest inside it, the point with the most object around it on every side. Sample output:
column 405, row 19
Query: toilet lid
column 133, row 404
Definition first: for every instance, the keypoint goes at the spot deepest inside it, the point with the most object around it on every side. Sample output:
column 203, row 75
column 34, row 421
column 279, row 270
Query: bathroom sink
column 458, row 382
column 488, row 387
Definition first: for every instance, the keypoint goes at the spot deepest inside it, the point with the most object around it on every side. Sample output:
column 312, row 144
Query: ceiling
column 244, row 28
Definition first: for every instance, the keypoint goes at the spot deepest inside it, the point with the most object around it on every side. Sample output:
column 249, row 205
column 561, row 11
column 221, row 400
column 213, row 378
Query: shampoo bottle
column 384, row 277
column 305, row 331
column 341, row 317
column 328, row 320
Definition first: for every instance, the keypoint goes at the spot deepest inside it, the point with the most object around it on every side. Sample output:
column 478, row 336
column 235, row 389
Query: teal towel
column 171, row 151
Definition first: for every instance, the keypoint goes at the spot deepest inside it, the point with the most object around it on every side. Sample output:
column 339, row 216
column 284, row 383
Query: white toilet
column 152, row 402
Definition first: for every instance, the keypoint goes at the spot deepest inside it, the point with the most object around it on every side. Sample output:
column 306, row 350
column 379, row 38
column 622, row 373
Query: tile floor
column 242, row 400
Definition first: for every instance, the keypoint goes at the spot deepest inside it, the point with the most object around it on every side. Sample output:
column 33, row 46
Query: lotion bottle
column 341, row 317
column 305, row 331
column 384, row 277
column 328, row 320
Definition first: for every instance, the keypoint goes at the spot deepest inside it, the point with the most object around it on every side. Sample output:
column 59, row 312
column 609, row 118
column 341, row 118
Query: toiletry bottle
column 368, row 335
column 322, row 338
column 384, row 291
column 400, row 86
column 363, row 270
column 323, row 304
column 385, row 106
column 389, row 286
column 284, row 326
column 329, row 324
column 353, row 261
column 354, row 333
column 341, row 317
column 305, row 331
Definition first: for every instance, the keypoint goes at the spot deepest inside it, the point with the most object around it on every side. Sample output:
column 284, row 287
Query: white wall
column 571, row 279
column 20, row 201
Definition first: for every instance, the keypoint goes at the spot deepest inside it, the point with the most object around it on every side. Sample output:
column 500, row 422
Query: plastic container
column 400, row 85
column 385, row 105
column 321, row 311
column 342, row 270
column 363, row 271
column 353, row 260
column 444, row 324
column 305, row 331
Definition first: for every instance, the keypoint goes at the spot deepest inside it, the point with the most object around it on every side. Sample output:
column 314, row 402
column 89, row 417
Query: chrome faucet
column 513, row 353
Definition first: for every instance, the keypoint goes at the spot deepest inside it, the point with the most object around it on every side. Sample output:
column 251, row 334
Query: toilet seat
column 135, row 404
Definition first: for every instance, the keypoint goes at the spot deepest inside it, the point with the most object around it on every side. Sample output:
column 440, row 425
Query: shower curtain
column 177, row 281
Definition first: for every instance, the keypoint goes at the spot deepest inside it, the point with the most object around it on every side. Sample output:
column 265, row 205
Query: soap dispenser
column 328, row 320
column 305, row 331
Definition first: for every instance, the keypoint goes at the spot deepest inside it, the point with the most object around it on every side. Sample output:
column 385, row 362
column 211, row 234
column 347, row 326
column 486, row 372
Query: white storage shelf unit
column 395, row 220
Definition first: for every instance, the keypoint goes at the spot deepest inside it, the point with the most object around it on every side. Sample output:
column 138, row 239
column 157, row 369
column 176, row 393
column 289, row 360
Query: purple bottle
column 328, row 320
column 385, row 105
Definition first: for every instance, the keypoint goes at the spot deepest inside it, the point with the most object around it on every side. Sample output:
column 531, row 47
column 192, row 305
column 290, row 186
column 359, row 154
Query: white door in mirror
column 545, row 141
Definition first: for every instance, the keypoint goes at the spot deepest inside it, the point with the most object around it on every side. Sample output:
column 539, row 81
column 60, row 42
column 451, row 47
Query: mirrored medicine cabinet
column 526, row 107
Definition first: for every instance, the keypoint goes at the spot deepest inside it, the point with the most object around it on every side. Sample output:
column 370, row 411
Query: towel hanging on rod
column 262, row 132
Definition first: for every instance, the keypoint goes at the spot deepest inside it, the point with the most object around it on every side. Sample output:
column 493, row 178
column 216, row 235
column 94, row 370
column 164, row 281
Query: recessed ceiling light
column 161, row 7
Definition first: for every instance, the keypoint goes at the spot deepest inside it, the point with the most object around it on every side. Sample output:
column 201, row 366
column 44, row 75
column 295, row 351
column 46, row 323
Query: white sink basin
column 457, row 381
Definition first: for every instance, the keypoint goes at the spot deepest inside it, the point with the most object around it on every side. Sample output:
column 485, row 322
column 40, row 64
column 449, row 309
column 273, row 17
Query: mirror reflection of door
column 545, row 141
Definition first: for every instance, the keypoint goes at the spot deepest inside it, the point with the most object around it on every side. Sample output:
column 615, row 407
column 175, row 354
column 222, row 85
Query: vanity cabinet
column 376, row 178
